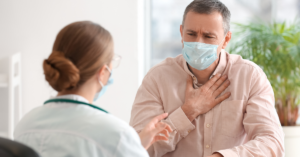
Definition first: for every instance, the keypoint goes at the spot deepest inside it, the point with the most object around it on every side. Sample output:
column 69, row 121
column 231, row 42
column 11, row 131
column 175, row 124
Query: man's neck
column 204, row 75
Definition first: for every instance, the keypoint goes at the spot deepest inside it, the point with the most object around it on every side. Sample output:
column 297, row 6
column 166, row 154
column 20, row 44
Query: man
column 218, row 103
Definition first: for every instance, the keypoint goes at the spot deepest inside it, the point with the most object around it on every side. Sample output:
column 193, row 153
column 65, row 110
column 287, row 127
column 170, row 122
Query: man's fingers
column 220, row 81
column 159, row 118
column 221, row 89
column 212, row 81
column 223, row 97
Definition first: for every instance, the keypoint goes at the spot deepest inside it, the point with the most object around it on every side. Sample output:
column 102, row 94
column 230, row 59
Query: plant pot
column 291, row 140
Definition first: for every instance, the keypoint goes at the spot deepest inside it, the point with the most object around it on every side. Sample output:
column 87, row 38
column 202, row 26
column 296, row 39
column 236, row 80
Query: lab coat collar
column 72, row 97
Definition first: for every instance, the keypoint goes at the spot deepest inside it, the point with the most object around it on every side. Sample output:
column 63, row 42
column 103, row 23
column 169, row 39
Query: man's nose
column 200, row 39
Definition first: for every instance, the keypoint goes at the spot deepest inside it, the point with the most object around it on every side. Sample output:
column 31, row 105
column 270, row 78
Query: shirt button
column 207, row 146
column 207, row 125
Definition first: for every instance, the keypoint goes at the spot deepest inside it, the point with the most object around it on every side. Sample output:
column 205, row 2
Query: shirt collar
column 219, row 69
column 72, row 97
column 222, row 63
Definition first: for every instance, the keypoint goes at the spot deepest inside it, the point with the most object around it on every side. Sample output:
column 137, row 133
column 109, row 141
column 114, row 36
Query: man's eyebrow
column 205, row 33
column 189, row 30
column 209, row 33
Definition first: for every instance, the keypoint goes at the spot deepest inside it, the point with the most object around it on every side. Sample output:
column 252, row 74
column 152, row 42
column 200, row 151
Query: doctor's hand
column 201, row 100
column 155, row 131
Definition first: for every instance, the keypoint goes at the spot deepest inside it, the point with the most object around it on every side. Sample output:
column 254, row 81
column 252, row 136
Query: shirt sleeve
column 147, row 105
column 261, row 123
column 130, row 145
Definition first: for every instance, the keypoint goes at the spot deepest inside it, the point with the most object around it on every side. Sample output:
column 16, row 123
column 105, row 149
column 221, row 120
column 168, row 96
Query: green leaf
column 275, row 47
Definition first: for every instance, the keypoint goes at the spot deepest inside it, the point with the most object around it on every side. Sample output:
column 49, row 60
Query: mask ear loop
column 223, row 39
column 108, row 69
column 102, row 85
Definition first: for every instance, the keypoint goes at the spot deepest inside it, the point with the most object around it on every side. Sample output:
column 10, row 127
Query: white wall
column 31, row 26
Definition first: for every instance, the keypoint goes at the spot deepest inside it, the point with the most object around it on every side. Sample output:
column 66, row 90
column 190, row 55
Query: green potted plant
column 276, row 49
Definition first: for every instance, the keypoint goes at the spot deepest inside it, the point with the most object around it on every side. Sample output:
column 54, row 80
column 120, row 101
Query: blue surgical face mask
column 104, row 87
column 199, row 55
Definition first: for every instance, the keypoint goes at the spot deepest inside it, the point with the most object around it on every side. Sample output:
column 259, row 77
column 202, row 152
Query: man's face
column 205, row 28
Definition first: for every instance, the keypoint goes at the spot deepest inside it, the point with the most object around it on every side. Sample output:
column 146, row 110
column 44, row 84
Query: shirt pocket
column 232, row 118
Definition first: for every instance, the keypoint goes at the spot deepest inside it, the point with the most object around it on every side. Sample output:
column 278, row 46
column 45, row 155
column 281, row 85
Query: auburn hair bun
column 60, row 72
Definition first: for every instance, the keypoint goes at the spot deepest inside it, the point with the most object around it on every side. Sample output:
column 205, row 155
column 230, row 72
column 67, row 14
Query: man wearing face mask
column 218, row 103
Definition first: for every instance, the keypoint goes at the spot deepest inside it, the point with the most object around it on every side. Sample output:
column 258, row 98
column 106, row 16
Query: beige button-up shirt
column 244, row 125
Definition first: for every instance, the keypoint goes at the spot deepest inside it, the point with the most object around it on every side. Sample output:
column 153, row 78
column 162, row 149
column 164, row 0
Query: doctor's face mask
column 104, row 87
column 114, row 63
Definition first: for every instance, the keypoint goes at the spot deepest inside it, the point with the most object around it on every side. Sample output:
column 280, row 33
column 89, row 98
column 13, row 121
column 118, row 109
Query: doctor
column 79, row 69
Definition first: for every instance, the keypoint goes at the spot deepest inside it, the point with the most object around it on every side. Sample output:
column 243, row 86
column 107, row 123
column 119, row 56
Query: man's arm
column 148, row 104
column 261, row 123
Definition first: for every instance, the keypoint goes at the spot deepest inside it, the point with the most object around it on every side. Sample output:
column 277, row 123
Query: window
column 166, row 18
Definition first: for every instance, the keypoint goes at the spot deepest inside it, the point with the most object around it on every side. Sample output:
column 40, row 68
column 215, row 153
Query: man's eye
column 209, row 37
column 191, row 34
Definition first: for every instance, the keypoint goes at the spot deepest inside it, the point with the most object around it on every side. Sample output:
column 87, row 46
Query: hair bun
column 60, row 72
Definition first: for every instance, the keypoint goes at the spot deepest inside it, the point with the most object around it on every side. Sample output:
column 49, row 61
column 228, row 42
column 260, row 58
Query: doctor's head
column 206, row 21
column 82, row 54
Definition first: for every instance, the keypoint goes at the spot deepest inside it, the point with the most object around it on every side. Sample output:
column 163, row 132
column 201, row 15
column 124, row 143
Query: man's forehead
column 209, row 23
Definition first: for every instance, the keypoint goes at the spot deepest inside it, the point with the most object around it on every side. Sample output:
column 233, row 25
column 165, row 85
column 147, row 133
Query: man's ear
column 227, row 39
column 181, row 32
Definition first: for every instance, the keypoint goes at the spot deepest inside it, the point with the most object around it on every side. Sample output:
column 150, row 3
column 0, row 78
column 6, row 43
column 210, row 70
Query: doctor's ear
column 101, row 73
column 227, row 39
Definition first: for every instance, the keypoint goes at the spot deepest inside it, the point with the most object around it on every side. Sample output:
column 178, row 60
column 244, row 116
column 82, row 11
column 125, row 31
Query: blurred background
column 167, row 16
column 30, row 27
column 145, row 32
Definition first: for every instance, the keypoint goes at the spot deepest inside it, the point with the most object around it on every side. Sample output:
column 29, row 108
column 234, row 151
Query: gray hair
column 207, row 7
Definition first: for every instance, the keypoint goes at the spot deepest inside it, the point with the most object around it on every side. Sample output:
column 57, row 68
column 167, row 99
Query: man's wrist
column 190, row 114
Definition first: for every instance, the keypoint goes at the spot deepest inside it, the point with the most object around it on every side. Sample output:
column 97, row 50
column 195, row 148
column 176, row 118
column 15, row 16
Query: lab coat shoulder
column 80, row 121
column 127, row 140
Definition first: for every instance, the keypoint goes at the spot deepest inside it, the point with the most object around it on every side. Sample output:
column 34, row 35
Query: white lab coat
column 74, row 130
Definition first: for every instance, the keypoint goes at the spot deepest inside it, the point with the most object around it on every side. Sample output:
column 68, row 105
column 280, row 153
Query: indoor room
column 158, row 78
